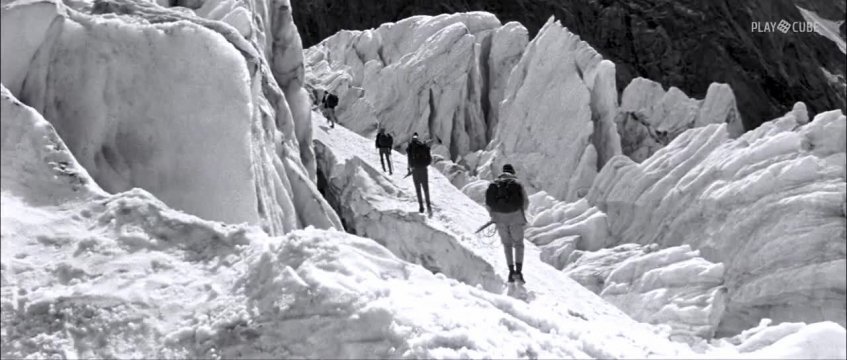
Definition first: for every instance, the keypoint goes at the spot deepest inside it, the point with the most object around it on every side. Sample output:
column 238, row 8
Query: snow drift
column 208, row 144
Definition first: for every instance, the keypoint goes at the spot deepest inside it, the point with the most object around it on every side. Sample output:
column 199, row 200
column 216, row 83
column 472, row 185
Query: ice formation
column 650, row 117
column 769, row 205
column 132, row 112
column 440, row 76
column 560, row 127
column 672, row 286
column 89, row 274
column 207, row 144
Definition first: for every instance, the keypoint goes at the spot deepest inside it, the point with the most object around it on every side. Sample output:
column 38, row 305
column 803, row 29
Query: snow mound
column 559, row 112
column 208, row 144
column 441, row 76
column 769, row 205
column 650, row 117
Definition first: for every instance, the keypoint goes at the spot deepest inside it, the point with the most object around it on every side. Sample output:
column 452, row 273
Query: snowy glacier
column 169, row 190
column 208, row 144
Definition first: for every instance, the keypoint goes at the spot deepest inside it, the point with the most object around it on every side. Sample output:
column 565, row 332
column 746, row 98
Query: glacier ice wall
column 441, row 76
column 769, row 205
column 650, row 117
column 560, row 103
column 220, row 142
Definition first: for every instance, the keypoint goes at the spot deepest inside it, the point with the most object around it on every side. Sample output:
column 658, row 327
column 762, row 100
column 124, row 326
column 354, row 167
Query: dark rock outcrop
column 686, row 43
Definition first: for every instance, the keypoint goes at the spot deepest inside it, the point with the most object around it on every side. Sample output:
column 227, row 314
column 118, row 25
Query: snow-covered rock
column 441, row 76
column 557, row 117
column 650, row 117
column 769, row 205
column 219, row 143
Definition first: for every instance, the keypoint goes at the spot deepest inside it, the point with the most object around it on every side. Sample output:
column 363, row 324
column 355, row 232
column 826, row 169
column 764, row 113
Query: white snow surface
column 207, row 144
column 441, row 76
column 769, row 205
column 86, row 274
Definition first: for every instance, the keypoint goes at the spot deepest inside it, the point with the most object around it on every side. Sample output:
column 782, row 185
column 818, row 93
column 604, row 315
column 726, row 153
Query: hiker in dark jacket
column 330, row 101
column 419, row 157
column 507, row 201
column 384, row 143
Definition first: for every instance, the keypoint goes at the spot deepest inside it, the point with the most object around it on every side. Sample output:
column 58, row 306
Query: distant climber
column 507, row 202
column 419, row 159
column 330, row 101
column 384, row 143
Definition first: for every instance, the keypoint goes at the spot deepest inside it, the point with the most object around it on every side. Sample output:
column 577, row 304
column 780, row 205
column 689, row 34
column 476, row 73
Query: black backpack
column 384, row 140
column 419, row 154
column 331, row 100
column 504, row 196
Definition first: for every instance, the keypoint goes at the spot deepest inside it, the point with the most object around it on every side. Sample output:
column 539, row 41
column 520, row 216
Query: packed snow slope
column 388, row 208
column 86, row 274
column 650, row 287
column 211, row 134
column 769, row 205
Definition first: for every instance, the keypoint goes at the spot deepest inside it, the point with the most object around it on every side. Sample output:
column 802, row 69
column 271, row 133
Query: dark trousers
column 420, row 177
column 385, row 156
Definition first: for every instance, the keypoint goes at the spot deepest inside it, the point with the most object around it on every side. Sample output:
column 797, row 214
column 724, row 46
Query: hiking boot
column 519, row 277
column 421, row 209
column 518, row 272
column 511, row 274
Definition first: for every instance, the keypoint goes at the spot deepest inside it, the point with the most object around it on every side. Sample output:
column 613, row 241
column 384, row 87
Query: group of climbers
column 506, row 198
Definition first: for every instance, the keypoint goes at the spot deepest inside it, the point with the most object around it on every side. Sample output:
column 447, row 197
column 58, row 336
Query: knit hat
column 508, row 168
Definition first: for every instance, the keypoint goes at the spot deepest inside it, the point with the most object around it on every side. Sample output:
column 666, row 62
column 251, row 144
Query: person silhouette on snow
column 419, row 157
column 507, row 202
column 330, row 101
column 384, row 143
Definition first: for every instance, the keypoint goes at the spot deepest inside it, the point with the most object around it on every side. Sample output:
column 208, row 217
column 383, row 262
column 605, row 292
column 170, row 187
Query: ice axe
column 484, row 226
column 409, row 174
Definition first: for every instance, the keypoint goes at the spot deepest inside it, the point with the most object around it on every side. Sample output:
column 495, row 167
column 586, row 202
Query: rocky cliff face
column 687, row 44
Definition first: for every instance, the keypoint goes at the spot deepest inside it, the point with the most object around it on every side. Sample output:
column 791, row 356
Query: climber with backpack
column 419, row 157
column 330, row 101
column 384, row 143
column 507, row 202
